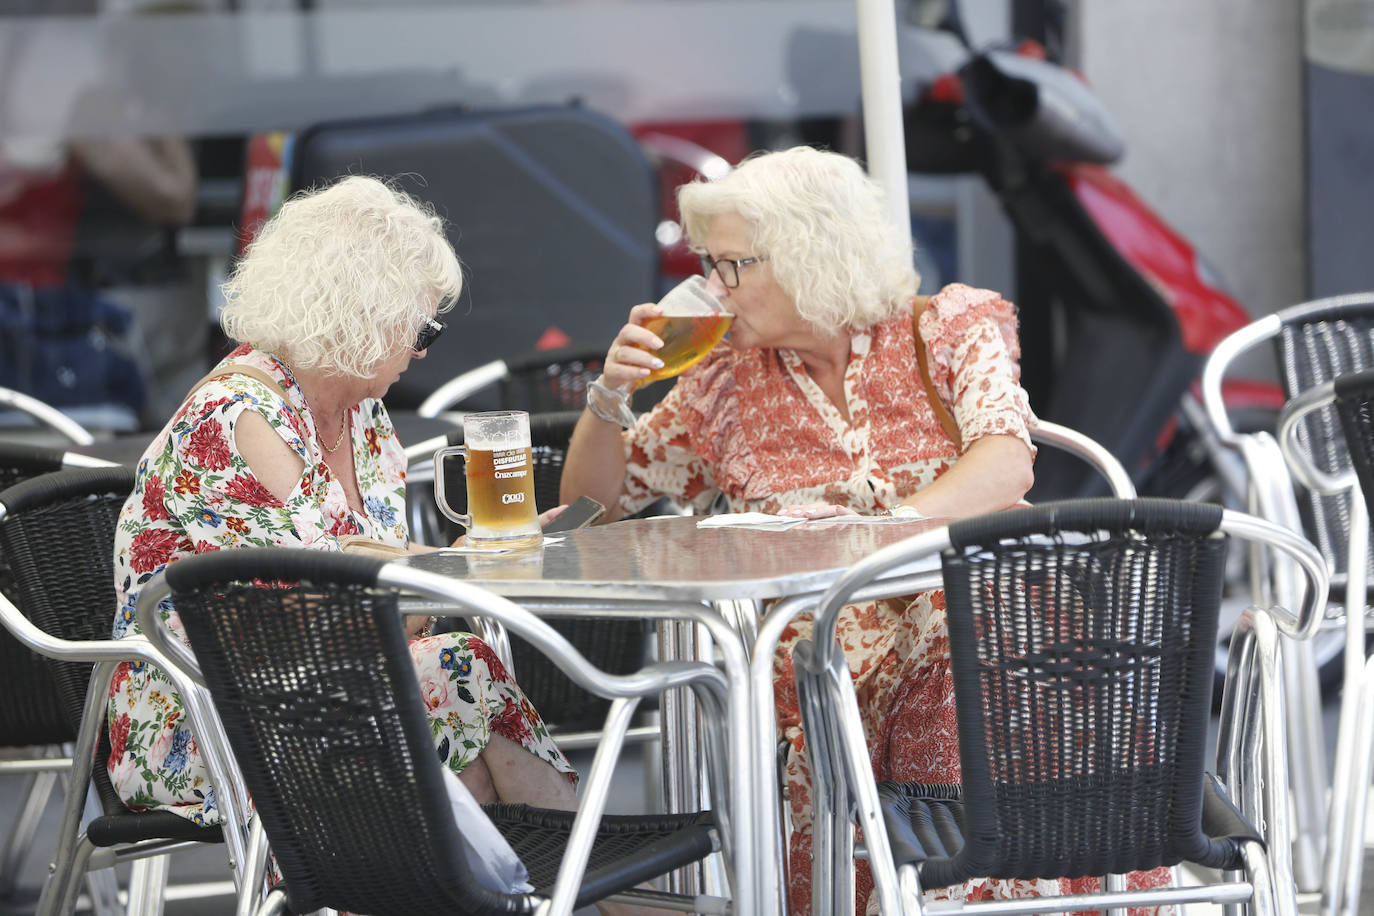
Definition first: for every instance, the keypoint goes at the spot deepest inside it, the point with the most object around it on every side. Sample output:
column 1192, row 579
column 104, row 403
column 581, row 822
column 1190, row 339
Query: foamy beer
column 500, row 480
column 692, row 323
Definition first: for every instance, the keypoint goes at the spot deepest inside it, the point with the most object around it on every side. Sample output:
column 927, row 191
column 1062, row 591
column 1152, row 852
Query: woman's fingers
column 550, row 514
column 630, row 357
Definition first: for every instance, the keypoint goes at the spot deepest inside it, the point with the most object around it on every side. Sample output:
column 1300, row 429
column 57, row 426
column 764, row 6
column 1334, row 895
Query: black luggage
column 552, row 211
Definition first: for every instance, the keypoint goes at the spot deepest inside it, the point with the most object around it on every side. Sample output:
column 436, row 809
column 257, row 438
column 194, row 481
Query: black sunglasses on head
column 429, row 332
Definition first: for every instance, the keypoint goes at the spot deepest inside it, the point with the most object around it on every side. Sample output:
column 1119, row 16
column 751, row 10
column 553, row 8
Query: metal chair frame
column 1268, row 485
column 1251, row 764
column 1344, row 859
column 767, row 806
column 448, row 597
column 21, row 461
column 76, row 854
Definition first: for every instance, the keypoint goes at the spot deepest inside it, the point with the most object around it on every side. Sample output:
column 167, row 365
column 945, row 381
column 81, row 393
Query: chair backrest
column 1316, row 343
column 615, row 646
column 57, row 536
column 31, row 713
column 314, row 684
column 552, row 208
column 1081, row 640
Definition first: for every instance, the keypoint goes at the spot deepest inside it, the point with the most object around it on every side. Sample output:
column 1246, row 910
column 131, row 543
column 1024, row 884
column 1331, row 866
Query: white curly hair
column 822, row 223
column 340, row 276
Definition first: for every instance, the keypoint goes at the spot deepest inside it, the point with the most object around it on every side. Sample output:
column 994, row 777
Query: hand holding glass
column 500, row 480
column 692, row 323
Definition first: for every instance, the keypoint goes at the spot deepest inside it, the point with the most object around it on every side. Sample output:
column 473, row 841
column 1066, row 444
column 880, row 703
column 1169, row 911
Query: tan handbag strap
column 937, row 404
column 248, row 371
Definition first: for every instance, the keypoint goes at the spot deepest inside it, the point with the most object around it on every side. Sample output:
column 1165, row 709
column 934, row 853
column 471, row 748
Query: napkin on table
column 758, row 520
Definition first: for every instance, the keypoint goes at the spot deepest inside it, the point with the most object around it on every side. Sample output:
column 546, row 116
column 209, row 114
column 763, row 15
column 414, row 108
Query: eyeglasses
column 429, row 332
column 727, row 268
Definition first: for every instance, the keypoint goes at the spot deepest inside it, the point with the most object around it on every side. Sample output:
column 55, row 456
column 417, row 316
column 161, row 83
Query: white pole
column 882, row 103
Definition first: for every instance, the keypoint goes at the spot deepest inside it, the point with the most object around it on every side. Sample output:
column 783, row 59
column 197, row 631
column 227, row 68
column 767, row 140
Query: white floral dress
column 194, row 493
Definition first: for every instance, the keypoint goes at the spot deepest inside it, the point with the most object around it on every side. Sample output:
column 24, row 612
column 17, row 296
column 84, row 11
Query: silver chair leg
column 1271, row 497
column 148, row 885
column 1265, row 901
column 103, row 887
column 35, row 796
column 1345, row 856
column 1350, row 779
column 274, row 904
column 1114, row 883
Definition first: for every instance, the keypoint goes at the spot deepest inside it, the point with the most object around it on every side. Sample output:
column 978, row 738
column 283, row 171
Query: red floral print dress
column 194, row 493
column 755, row 427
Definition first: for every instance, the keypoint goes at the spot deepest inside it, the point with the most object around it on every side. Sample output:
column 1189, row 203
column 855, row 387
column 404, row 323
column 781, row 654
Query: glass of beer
column 500, row 481
column 692, row 323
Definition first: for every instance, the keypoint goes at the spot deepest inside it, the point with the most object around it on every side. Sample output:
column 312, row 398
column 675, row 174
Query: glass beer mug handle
column 440, row 499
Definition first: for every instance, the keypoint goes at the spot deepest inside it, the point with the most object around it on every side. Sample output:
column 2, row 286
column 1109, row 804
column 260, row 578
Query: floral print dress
column 194, row 493
column 752, row 425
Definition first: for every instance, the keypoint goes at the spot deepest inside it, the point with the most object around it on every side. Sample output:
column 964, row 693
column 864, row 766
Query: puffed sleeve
column 663, row 451
column 970, row 335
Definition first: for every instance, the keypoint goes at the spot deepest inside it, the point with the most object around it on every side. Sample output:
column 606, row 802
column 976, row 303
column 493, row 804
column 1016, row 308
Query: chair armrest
column 47, row 415
column 1295, row 456
column 1090, row 450
column 462, row 386
column 888, row 561
column 1214, row 371
column 1304, row 624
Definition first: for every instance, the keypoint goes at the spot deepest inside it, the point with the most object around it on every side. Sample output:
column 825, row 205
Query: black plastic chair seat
column 629, row 849
column 926, row 826
column 136, row 826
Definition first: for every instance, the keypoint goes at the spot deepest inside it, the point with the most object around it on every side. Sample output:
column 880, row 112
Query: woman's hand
column 629, row 360
column 816, row 510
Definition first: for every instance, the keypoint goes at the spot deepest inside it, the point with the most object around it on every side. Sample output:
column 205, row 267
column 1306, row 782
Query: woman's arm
column 595, row 463
column 993, row 474
column 276, row 466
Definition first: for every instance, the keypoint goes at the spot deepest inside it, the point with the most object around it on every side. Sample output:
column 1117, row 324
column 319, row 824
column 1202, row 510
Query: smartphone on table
column 583, row 511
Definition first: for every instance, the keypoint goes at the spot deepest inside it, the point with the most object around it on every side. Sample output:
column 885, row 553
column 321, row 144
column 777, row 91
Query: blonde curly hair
column 822, row 223
column 340, row 275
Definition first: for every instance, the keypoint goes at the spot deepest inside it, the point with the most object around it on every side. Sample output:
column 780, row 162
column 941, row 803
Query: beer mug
column 692, row 323
column 500, row 480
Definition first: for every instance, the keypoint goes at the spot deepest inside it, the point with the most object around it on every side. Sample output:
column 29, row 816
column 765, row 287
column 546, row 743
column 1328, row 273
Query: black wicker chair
column 1312, row 343
column 317, row 692
column 1080, row 637
column 57, row 537
column 1350, row 399
column 31, row 715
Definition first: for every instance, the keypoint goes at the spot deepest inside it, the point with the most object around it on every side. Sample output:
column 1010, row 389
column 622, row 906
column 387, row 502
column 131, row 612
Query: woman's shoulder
column 952, row 311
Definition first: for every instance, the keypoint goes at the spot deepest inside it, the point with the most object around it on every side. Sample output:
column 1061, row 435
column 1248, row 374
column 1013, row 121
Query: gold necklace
column 343, row 431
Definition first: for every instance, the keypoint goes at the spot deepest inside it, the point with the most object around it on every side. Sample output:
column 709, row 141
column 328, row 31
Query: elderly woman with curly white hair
column 286, row 443
column 816, row 405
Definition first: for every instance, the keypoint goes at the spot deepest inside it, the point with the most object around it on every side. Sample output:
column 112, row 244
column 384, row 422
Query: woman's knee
column 477, row 778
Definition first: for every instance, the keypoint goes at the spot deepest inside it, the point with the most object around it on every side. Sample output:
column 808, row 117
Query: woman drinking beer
column 816, row 406
column 286, row 443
